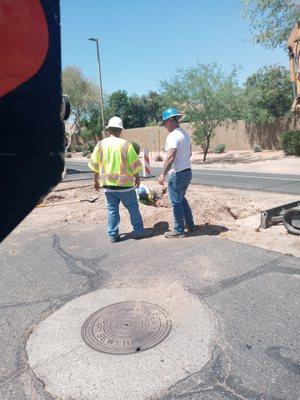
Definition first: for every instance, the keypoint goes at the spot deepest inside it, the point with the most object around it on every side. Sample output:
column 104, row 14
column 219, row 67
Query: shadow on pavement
column 71, row 171
column 163, row 226
column 160, row 228
column 209, row 230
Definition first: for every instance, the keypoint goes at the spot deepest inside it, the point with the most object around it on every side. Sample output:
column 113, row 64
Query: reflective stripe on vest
column 119, row 180
column 101, row 161
column 123, row 169
column 135, row 165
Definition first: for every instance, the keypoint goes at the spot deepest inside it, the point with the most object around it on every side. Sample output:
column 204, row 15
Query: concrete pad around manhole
column 72, row 370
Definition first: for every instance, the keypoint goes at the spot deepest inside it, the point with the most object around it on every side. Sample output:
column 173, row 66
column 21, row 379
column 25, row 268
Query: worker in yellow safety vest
column 116, row 169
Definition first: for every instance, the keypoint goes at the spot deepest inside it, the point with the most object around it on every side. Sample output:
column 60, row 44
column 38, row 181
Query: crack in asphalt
column 78, row 265
column 89, row 268
column 269, row 267
column 276, row 353
column 215, row 378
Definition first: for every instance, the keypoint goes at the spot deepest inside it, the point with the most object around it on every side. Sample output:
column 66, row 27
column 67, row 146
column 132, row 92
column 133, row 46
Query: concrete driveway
column 233, row 309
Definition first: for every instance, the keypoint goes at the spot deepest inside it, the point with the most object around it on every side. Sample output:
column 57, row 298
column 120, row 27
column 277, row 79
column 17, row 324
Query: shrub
column 90, row 145
column 220, row 148
column 85, row 153
column 87, row 134
column 136, row 147
column 78, row 147
column 69, row 155
column 257, row 148
column 158, row 158
column 290, row 142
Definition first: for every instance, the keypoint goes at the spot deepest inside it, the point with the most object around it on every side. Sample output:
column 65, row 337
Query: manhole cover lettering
column 127, row 327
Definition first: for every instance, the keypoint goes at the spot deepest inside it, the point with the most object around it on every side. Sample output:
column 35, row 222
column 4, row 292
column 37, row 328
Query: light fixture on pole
column 100, row 83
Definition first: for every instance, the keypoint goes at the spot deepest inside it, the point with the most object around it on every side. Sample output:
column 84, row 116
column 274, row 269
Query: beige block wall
column 239, row 136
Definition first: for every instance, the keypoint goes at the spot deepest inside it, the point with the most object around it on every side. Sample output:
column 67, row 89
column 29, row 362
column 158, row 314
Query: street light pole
column 100, row 83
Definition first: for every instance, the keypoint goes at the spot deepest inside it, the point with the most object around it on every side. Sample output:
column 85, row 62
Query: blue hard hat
column 142, row 193
column 169, row 113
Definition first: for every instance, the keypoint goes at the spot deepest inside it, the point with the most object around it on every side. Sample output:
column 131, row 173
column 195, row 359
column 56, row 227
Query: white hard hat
column 115, row 122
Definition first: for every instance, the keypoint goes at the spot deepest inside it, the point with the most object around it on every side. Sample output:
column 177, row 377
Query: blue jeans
column 129, row 200
column 177, row 185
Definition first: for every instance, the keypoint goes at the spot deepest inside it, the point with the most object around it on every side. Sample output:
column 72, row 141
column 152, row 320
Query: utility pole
column 100, row 83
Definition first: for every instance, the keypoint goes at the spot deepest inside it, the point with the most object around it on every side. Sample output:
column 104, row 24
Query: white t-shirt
column 180, row 140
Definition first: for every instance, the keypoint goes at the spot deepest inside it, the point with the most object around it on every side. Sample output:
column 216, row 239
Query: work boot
column 192, row 228
column 142, row 235
column 114, row 239
column 174, row 235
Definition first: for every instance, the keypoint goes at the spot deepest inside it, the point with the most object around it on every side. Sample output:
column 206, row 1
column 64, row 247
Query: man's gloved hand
column 137, row 181
column 96, row 185
column 161, row 179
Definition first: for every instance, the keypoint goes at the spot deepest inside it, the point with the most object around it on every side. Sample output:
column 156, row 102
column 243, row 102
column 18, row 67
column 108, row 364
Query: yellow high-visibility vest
column 116, row 162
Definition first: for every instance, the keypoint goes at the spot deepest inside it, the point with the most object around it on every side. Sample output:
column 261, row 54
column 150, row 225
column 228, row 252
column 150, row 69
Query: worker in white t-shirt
column 178, row 168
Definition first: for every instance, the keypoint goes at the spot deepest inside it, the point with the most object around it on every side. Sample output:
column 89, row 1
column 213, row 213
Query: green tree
column 144, row 110
column 271, row 21
column 132, row 109
column 118, row 104
column 207, row 95
column 91, row 124
column 136, row 113
column 153, row 106
column 268, row 94
column 83, row 96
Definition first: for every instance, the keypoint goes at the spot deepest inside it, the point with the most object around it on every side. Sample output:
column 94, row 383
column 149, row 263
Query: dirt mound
column 229, row 213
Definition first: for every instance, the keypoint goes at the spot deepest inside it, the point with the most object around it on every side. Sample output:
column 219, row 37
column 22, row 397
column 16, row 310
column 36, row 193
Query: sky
column 143, row 42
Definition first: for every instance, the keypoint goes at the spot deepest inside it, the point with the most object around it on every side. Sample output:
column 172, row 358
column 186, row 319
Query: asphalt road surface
column 281, row 183
column 250, row 293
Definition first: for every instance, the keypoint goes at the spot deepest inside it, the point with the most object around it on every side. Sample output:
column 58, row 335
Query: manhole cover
column 127, row 327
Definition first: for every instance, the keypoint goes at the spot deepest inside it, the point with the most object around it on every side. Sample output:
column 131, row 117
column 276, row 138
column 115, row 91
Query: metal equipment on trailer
column 288, row 214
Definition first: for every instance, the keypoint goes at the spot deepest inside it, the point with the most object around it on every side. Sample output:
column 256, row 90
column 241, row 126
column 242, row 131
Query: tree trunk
column 74, row 128
column 206, row 147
